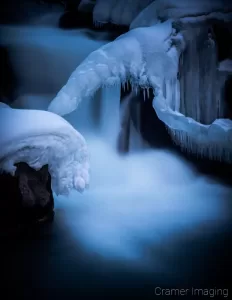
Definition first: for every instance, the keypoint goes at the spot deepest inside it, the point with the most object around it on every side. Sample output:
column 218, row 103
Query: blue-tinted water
column 148, row 219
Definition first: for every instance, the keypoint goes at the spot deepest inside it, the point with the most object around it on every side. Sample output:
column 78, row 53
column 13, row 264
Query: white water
column 144, row 200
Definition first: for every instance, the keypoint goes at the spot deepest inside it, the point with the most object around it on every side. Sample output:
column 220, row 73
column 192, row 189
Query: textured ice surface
column 39, row 138
column 140, row 56
column 202, row 96
column 147, row 57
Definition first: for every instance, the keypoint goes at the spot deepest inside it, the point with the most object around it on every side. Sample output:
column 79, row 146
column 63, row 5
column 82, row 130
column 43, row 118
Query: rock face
column 26, row 198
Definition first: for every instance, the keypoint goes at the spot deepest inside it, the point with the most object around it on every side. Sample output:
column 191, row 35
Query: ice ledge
column 220, row 131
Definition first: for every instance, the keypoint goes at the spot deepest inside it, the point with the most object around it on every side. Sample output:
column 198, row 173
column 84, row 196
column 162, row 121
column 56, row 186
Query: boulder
column 26, row 199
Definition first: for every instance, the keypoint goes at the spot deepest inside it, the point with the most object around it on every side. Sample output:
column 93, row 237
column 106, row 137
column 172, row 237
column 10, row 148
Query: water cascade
column 136, row 200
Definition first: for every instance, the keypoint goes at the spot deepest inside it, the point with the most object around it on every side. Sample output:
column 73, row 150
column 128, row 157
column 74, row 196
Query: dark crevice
column 72, row 19
column 7, row 77
column 153, row 130
column 124, row 133
column 223, row 35
column 228, row 97
column 26, row 199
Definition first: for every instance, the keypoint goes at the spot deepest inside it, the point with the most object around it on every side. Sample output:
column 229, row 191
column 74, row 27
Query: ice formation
column 39, row 138
column 169, row 39
column 118, row 62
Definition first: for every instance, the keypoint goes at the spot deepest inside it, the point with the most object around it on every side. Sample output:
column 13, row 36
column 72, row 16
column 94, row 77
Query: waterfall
column 110, row 114
column 129, row 138
column 136, row 202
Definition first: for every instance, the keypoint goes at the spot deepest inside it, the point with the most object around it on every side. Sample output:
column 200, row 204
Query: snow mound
column 39, row 138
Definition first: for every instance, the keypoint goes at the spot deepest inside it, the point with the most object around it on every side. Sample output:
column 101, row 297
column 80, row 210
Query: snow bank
column 39, row 138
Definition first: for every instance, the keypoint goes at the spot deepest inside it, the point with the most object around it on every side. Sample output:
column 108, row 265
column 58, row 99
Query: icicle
column 97, row 24
column 198, row 93
column 148, row 93
column 133, row 86
column 136, row 90
column 177, row 95
column 127, row 85
column 144, row 95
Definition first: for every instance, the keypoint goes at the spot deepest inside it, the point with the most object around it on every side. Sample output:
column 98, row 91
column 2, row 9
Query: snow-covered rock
column 39, row 138
column 150, row 56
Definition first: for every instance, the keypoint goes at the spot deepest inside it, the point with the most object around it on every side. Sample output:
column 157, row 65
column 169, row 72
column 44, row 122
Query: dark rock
column 26, row 199
column 21, row 12
column 73, row 19
column 8, row 82
column 144, row 119
column 124, row 133
column 228, row 96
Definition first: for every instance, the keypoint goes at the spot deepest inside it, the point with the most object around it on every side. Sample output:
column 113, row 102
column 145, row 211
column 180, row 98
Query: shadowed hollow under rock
column 26, row 198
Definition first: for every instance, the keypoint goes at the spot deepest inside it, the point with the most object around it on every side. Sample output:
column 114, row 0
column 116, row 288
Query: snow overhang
column 41, row 138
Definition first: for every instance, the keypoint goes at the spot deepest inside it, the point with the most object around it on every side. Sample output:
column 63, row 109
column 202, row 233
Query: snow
column 135, row 56
column 135, row 202
column 171, row 9
column 3, row 105
column 39, row 138
column 220, row 131
column 145, row 57
column 148, row 57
